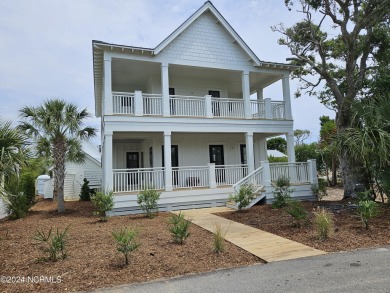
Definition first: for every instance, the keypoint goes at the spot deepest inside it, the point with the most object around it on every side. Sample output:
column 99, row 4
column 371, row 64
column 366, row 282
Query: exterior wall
column 206, row 41
column 2, row 210
column 193, row 149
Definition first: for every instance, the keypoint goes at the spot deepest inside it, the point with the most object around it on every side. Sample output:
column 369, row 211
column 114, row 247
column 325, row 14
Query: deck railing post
column 139, row 105
column 266, row 176
column 212, row 181
column 312, row 170
column 209, row 106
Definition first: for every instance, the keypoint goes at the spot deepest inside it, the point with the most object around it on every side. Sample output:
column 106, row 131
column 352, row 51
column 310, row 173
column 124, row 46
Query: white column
column 107, row 162
column 266, row 175
column 165, row 89
column 286, row 96
column 249, row 152
column 209, row 106
column 312, row 169
column 212, row 181
column 263, row 149
column 107, row 108
column 167, row 161
column 290, row 147
column 260, row 96
column 246, row 94
column 268, row 109
column 139, row 104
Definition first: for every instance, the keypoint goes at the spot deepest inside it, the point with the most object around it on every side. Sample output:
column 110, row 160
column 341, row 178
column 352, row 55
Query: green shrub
column 273, row 159
column 126, row 240
column 319, row 190
column 282, row 192
column 147, row 200
column 27, row 186
column 179, row 228
column 16, row 206
column 295, row 209
column 244, row 196
column 85, row 193
column 219, row 238
column 364, row 195
column 367, row 209
column 55, row 242
column 103, row 202
column 323, row 222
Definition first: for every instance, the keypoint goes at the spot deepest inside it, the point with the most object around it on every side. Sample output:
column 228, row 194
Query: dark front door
column 217, row 157
column 172, row 104
column 215, row 108
column 174, row 161
column 132, row 162
column 244, row 160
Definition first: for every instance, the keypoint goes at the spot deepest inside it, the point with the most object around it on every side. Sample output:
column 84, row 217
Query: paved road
column 358, row 271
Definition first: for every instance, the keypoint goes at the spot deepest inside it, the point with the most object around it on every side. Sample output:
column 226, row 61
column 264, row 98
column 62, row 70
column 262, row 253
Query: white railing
column 152, row 104
column 123, row 103
column 278, row 110
column 258, row 109
column 296, row 172
column 187, row 106
column 189, row 177
column 128, row 180
column 229, row 108
column 229, row 174
column 255, row 179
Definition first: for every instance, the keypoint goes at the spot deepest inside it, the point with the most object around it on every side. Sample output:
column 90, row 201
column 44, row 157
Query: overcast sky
column 46, row 50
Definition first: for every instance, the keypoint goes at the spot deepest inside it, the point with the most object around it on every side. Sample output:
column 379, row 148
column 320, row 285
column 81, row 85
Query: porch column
column 246, row 94
column 268, row 109
column 107, row 162
column 139, row 105
column 209, row 106
column 107, row 103
column 290, row 147
column 167, row 161
column 266, row 175
column 249, row 152
column 286, row 96
column 165, row 90
column 263, row 149
column 312, row 169
column 260, row 96
column 212, row 181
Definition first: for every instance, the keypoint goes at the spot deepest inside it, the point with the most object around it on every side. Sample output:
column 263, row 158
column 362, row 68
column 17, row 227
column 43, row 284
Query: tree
column 343, row 61
column 327, row 147
column 57, row 127
column 301, row 135
column 277, row 143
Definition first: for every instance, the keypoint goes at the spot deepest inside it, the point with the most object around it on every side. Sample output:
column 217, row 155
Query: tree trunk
column 334, row 172
column 59, row 151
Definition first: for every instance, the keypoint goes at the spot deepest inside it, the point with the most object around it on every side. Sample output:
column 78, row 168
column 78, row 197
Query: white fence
column 296, row 172
column 230, row 174
column 152, row 104
column 123, row 103
column 187, row 106
column 128, row 180
column 189, row 177
column 229, row 108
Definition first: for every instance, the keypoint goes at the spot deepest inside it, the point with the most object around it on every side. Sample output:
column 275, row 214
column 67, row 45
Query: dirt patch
column 349, row 232
column 93, row 261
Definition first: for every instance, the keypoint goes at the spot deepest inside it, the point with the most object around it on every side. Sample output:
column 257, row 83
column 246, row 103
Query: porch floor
column 266, row 246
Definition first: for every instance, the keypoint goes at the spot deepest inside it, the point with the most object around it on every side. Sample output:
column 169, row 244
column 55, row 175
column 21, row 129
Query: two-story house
column 180, row 118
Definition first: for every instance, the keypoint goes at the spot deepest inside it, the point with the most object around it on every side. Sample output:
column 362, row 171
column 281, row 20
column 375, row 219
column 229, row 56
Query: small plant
column 295, row 209
column 244, row 196
column 179, row 228
column 282, row 193
column 126, row 240
column 319, row 190
column 367, row 209
column 147, row 200
column 85, row 193
column 364, row 195
column 56, row 242
column 219, row 238
column 104, row 202
column 17, row 205
column 323, row 222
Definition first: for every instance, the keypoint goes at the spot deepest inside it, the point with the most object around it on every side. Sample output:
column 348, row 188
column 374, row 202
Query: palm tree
column 57, row 127
column 13, row 153
column 368, row 141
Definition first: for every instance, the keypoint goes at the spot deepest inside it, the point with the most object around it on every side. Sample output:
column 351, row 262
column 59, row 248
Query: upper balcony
column 144, row 104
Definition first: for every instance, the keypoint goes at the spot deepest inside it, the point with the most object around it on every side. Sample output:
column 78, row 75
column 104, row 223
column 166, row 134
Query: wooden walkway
column 266, row 246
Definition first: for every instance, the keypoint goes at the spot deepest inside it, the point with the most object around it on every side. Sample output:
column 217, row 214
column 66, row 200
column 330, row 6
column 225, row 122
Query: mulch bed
column 349, row 232
column 93, row 261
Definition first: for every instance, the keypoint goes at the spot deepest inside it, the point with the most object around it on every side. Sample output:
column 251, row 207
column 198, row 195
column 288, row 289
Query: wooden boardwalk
column 266, row 246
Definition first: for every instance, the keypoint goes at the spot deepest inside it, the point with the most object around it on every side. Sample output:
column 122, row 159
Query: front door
column 174, row 161
column 132, row 162
column 217, row 157
column 215, row 108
